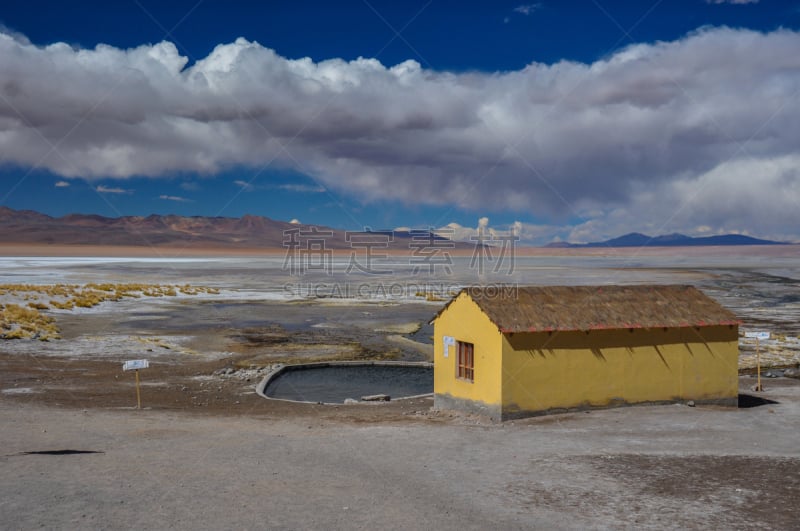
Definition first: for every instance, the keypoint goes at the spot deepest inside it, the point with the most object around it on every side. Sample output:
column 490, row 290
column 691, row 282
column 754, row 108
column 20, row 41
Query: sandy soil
column 274, row 465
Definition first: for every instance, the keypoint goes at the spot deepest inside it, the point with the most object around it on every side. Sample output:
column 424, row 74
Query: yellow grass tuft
column 26, row 322
column 18, row 322
column 429, row 296
column 68, row 305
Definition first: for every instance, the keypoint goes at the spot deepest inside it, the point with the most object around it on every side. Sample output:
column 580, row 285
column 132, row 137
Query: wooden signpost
column 758, row 336
column 135, row 365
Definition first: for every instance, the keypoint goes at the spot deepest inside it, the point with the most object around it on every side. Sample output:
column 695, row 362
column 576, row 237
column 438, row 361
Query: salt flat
column 761, row 285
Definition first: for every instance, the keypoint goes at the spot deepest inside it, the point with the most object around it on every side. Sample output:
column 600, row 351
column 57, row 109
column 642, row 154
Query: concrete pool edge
column 277, row 371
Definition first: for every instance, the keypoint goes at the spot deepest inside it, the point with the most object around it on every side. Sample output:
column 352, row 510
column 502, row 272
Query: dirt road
column 399, row 467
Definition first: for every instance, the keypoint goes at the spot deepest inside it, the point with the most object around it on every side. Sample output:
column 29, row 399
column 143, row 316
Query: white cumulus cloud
column 629, row 138
column 244, row 185
column 176, row 198
column 498, row 235
column 103, row 189
column 527, row 9
column 301, row 188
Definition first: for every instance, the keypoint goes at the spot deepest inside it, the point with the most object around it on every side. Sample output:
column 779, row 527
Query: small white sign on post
column 449, row 341
column 135, row 365
column 758, row 335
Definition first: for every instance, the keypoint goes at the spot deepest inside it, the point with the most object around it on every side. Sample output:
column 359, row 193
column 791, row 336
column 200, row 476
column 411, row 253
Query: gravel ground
column 400, row 467
column 208, row 453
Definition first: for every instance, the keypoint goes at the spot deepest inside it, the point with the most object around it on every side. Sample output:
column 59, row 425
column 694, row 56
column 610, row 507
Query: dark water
column 424, row 334
column 335, row 384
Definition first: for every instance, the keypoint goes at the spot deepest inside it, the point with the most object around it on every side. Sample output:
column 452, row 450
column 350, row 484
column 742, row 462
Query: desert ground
column 401, row 467
column 207, row 452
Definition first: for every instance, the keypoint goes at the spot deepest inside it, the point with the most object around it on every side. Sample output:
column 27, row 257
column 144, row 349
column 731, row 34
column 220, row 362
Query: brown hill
column 30, row 227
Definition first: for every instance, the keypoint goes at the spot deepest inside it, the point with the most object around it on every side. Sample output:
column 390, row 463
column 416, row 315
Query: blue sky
column 566, row 120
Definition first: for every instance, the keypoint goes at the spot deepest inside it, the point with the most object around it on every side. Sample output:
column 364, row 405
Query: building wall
column 465, row 321
column 562, row 370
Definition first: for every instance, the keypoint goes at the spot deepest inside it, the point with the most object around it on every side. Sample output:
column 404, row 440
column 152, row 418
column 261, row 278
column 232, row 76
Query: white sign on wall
column 134, row 365
column 448, row 342
column 757, row 335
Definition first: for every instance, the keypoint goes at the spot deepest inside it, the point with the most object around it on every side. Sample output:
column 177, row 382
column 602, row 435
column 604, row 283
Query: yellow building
column 511, row 351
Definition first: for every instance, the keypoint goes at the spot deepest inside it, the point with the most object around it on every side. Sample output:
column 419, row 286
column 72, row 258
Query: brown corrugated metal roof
column 551, row 308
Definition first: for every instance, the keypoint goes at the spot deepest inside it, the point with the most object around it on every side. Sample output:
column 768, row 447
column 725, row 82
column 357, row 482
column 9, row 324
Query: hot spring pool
column 334, row 383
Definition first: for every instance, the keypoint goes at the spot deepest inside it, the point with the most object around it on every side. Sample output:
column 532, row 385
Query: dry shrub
column 18, row 322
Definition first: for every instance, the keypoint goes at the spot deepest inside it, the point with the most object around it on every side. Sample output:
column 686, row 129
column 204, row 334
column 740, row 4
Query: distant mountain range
column 247, row 232
column 636, row 239
column 28, row 226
